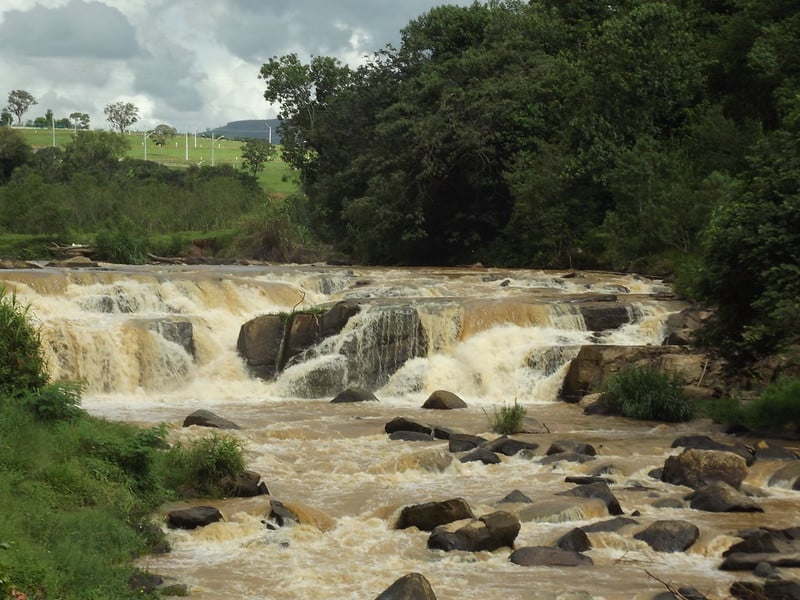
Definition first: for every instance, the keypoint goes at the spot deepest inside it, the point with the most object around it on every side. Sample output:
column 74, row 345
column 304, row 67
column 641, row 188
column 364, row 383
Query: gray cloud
column 170, row 76
column 79, row 29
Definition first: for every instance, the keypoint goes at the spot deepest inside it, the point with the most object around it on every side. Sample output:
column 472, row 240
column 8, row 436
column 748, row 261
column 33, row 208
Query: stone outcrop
column 594, row 364
column 246, row 485
column 354, row 395
column 543, row 556
column 598, row 490
column 718, row 496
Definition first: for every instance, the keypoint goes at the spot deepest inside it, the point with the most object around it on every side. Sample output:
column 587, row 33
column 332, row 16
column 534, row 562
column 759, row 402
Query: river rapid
column 494, row 337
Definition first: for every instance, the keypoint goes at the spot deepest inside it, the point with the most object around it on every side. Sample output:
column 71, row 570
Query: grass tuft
column 508, row 419
column 644, row 392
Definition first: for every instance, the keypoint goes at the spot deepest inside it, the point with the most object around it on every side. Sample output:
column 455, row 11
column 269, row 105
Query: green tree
column 14, row 152
column 6, row 118
column 255, row 153
column 163, row 133
column 79, row 120
column 19, row 101
column 121, row 115
column 750, row 270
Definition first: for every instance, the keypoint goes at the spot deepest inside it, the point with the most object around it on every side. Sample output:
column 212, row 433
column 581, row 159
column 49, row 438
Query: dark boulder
column 463, row 442
column 354, row 395
column 614, row 524
column 741, row 561
column 718, row 496
column 206, row 418
column 704, row 442
column 517, row 496
column 246, row 485
column 429, row 515
column 767, row 540
column 403, row 424
column 596, row 490
column 412, row 586
column 560, row 446
column 193, row 517
column 280, row 515
column 542, row 556
column 685, row 593
column 669, row 535
column 566, row 457
column 509, row 446
column 410, row 436
column 444, row 400
column 483, row 455
column 574, row 540
column 490, row 532
column 587, row 479
column 259, row 344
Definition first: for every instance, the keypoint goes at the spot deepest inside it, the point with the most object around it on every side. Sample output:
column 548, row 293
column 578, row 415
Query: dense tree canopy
column 561, row 133
column 121, row 115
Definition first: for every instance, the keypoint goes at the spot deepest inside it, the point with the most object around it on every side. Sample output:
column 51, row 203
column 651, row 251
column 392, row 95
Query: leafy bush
column 778, row 406
column 643, row 392
column 55, row 401
column 22, row 364
column 508, row 419
column 124, row 243
column 202, row 466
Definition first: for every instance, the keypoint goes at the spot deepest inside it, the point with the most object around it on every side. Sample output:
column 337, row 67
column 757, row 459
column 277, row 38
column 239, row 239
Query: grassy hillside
column 276, row 178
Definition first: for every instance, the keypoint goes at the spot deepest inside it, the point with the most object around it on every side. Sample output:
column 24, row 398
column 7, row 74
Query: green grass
column 508, row 419
column 776, row 409
column 644, row 392
column 276, row 178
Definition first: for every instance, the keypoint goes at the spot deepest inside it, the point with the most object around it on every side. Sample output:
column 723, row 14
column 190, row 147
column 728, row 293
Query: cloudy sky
column 190, row 63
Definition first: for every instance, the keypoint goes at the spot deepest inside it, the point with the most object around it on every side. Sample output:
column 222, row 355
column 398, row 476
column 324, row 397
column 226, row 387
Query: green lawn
column 276, row 178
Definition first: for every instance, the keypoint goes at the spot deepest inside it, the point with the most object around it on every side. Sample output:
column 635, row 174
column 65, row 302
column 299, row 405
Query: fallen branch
column 670, row 588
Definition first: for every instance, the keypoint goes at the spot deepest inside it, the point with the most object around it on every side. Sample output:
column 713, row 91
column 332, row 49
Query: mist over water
column 153, row 344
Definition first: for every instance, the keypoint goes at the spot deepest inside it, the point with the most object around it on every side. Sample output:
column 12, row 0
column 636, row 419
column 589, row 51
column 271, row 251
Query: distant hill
column 252, row 128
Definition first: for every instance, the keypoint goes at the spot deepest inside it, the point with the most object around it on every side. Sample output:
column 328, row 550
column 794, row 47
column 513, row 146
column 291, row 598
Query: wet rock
column 602, row 316
column 429, row 515
column 280, row 515
column 531, row 425
column 177, row 331
column 542, row 556
column 566, row 457
column 766, row 571
column 410, row 436
column 76, row 262
column 696, row 468
column 354, row 395
column 483, row 455
column 412, row 586
column 669, row 535
column 444, row 400
column 741, row 561
column 463, row 442
column 686, row 593
column 747, row 590
column 767, row 540
column 587, row 479
column 259, row 344
column 560, row 510
column 403, row 424
column 600, row 491
column 574, row 540
column 12, row 263
column 490, row 532
column 777, row 589
column 610, row 525
column 206, row 418
column 509, row 446
column 517, row 496
column 765, row 451
column 444, row 433
column 246, row 485
column 193, row 517
column 704, row 442
column 718, row 496
column 560, row 446
column 787, row 477
column 669, row 503
column 141, row 582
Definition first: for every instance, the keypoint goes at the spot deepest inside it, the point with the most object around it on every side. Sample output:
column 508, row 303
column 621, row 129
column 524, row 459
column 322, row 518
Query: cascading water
column 153, row 344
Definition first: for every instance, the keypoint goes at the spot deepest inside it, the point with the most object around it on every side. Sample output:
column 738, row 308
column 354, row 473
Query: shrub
column 204, row 464
column 508, row 419
column 776, row 407
column 643, row 392
column 124, row 243
column 55, row 401
column 22, row 364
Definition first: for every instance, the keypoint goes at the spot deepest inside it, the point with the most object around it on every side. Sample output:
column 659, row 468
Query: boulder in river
column 354, row 395
column 543, row 556
column 490, row 532
column 412, row 586
column 696, row 468
column 206, row 418
column 444, row 400
column 669, row 535
column 718, row 496
column 193, row 517
column 429, row 515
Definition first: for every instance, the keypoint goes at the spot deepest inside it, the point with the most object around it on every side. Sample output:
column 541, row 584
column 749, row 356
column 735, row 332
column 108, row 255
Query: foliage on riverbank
column 78, row 492
column 643, row 392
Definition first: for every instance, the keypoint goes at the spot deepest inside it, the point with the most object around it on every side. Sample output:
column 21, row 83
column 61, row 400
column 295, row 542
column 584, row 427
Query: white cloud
column 191, row 63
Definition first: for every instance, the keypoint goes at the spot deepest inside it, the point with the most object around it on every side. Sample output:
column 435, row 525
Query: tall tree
column 79, row 120
column 19, row 101
column 122, row 115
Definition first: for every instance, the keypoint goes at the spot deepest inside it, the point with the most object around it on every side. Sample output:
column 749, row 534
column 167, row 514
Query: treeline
column 90, row 191
column 637, row 135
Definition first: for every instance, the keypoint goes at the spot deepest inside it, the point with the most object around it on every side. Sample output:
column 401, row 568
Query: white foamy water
column 155, row 343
